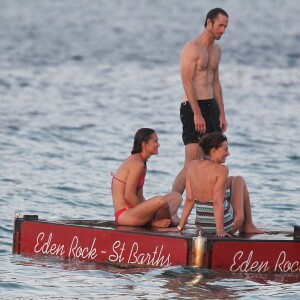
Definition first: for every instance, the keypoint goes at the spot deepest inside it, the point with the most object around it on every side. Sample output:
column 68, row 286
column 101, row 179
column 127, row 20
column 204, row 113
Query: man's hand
column 223, row 124
column 200, row 124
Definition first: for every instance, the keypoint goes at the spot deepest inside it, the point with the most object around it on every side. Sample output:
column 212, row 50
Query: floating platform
column 275, row 251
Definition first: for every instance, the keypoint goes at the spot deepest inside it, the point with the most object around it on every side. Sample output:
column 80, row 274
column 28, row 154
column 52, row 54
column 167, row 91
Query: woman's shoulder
column 134, row 161
column 222, row 170
column 130, row 165
column 193, row 165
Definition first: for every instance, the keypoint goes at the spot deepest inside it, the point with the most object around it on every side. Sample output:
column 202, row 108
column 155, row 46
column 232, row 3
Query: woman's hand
column 222, row 233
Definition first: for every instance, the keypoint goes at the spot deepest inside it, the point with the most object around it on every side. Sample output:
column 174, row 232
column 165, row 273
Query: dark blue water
column 78, row 78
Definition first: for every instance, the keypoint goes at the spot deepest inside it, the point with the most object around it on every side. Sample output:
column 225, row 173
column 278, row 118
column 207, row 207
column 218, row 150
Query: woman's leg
column 146, row 213
column 174, row 200
column 240, row 201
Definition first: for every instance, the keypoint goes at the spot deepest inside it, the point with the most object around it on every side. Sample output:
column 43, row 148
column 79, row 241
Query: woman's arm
column 189, row 202
column 136, row 170
column 140, row 195
column 218, row 199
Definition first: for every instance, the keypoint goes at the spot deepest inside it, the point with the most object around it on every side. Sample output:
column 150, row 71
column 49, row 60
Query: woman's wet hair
column 142, row 135
column 213, row 14
column 212, row 140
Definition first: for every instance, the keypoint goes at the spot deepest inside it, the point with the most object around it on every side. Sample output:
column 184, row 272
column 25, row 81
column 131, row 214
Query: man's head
column 213, row 14
column 216, row 22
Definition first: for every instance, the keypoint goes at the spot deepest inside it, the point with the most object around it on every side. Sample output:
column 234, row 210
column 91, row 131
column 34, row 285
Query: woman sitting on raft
column 222, row 202
column 130, row 206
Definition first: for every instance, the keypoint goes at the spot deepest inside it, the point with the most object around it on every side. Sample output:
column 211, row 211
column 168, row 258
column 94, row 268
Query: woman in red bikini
column 131, row 208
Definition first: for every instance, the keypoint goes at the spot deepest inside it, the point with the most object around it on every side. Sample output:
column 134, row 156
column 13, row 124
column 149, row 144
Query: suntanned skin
column 199, row 68
column 158, row 211
column 208, row 181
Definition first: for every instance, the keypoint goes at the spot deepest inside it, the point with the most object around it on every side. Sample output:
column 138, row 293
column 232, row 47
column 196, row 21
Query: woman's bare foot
column 251, row 229
column 175, row 220
column 163, row 223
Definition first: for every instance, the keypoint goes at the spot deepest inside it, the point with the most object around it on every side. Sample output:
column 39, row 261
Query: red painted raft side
column 102, row 245
column 103, row 241
column 256, row 256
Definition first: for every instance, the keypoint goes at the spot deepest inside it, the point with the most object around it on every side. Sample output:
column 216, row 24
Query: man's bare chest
column 207, row 61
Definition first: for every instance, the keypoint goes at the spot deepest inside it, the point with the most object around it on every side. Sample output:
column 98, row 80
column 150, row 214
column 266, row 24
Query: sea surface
column 78, row 78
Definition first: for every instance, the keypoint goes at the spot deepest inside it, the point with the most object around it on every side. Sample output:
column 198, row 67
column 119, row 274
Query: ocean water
column 78, row 78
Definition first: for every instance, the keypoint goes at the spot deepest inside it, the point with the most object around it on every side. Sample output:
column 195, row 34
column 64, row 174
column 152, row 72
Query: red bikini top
column 140, row 183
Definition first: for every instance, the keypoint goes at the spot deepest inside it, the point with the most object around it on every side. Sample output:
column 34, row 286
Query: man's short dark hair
column 213, row 13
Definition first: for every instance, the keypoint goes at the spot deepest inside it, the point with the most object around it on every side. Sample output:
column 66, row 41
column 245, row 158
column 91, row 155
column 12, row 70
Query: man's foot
column 163, row 223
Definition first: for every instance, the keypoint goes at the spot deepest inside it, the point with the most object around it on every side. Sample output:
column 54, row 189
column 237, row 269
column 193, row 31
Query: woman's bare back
column 203, row 176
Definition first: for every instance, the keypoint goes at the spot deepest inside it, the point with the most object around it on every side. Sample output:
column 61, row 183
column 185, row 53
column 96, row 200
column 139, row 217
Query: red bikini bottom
column 119, row 212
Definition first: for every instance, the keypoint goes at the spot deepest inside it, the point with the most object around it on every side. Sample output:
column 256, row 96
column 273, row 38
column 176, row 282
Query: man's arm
column 219, row 98
column 188, row 63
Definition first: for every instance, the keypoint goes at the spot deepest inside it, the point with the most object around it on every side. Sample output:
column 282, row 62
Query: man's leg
column 192, row 152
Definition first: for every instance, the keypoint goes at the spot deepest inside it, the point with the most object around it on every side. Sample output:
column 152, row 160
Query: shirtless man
column 202, row 108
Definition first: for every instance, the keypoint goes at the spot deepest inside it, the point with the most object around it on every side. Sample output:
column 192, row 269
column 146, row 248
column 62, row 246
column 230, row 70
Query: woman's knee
column 161, row 201
column 239, row 180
